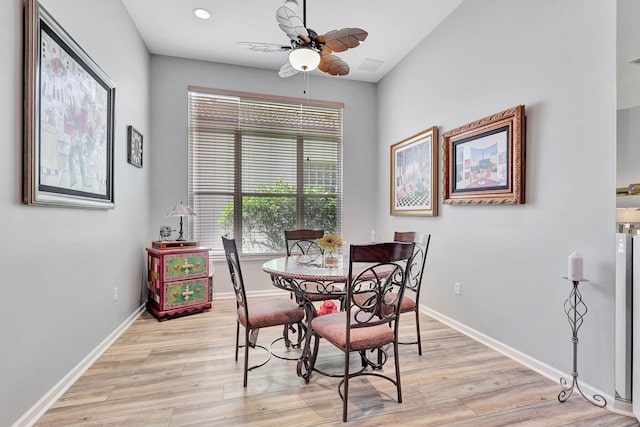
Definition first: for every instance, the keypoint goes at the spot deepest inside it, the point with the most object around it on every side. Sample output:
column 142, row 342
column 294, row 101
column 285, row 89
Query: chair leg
column 237, row 338
column 300, row 334
column 346, row 386
column 418, row 331
column 246, row 355
column 312, row 356
column 285, row 335
column 379, row 360
column 397, row 362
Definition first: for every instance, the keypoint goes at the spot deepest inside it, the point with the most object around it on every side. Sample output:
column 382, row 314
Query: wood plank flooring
column 182, row 372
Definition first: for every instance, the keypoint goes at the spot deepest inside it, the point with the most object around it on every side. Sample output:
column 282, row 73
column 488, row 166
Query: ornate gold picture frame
column 484, row 161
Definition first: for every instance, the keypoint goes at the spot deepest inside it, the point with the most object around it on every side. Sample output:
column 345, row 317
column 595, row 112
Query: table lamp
column 181, row 211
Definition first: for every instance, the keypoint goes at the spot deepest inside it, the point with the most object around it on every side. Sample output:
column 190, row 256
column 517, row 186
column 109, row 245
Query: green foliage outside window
column 265, row 217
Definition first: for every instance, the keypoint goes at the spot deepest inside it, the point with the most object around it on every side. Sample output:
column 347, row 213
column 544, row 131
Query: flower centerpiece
column 330, row 244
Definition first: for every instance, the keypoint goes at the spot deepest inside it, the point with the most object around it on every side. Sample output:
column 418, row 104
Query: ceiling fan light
column 304, row 59
column 201, row 13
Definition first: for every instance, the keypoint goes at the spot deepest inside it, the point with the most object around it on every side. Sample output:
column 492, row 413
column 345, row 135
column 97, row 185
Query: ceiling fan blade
column 291, row 24
column 264, row 47
column 346, row 38
column 287, row 70
column 333, row 65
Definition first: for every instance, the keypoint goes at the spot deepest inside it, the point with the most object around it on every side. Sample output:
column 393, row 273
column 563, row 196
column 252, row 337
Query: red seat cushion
column 332, row 327
column 406, row 305
column 274, row 312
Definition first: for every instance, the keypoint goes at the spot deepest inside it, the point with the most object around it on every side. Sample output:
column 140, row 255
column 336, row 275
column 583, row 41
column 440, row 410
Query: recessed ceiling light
column 201, row 13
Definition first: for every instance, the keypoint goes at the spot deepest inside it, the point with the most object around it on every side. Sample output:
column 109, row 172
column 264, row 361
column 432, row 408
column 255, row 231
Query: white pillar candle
column 575, row 266
column 373, row 236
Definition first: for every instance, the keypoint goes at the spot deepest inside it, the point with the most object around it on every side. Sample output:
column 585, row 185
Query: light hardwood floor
column 182, row 372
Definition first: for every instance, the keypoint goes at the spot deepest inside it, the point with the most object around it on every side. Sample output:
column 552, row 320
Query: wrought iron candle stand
column 575, row 310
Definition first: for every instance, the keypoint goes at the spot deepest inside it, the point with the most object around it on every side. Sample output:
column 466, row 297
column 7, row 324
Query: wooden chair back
column 404, row 236
column 302, row 242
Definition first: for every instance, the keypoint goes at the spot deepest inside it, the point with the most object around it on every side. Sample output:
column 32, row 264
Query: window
column 259, row 166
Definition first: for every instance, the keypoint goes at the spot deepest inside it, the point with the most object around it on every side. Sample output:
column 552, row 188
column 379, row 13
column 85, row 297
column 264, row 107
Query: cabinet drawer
column 185, row 293
column 185, row 266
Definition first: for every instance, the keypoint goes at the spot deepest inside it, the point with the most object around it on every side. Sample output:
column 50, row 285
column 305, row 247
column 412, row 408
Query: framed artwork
column 69, row 119
column 134, row 147
column 414, row 175
column 484, row 160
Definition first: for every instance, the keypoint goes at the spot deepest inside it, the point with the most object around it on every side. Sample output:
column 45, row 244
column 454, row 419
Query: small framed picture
column 134, row 147
column 484, row 160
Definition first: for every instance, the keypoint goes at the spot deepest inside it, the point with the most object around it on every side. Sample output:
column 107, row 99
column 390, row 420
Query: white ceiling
column 169, row 27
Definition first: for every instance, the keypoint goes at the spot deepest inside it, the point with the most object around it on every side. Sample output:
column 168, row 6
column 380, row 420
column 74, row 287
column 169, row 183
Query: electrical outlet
column 456, row 288
column 115, row 294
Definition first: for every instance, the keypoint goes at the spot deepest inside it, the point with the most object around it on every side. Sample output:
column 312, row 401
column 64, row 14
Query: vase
column 330, row 260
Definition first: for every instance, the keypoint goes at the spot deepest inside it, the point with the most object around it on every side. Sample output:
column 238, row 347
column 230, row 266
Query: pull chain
column 306, row 85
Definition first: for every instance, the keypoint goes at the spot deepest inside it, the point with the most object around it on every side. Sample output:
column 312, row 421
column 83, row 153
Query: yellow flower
column 330, row 242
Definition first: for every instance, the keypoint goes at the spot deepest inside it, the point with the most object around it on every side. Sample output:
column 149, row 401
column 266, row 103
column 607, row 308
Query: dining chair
column 404, row 236
column 374, row 270
column 304, row 242
column 411, row 299
column 263, row 314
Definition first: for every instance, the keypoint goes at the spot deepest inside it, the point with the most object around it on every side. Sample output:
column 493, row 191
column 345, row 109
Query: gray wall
column 170, row 78
column 487, row 56
column 628, row 152
column 60, row 265
column 628, row 99
column 628, row 49
column 557, row 58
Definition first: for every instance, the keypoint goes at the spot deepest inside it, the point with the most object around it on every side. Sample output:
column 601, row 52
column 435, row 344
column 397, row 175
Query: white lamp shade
column 181, row 210
column 304, row 59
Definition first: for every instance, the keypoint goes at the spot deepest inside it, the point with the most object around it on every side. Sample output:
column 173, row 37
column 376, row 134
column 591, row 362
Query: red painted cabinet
column 178, row 281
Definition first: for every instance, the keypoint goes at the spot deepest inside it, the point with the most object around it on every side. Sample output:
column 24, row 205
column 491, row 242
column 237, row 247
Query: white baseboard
column 36, row 411
column 543, row 369
column 39, row 408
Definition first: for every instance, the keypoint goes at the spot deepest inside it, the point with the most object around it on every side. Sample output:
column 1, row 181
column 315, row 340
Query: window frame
column 301, row 196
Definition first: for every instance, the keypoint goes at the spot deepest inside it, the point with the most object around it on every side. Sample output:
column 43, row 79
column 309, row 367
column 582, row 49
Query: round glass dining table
column 308, row 279
column 295, row 273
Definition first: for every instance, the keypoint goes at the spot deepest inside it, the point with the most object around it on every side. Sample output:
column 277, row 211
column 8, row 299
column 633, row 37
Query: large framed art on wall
column 484, row 160
column 69, row 119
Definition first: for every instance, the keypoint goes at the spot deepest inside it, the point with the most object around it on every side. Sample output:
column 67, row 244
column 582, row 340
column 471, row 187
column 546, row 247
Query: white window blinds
column 260, row 166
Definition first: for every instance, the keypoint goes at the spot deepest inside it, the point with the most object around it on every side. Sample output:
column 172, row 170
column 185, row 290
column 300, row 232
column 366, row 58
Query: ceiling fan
column 309, row 50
